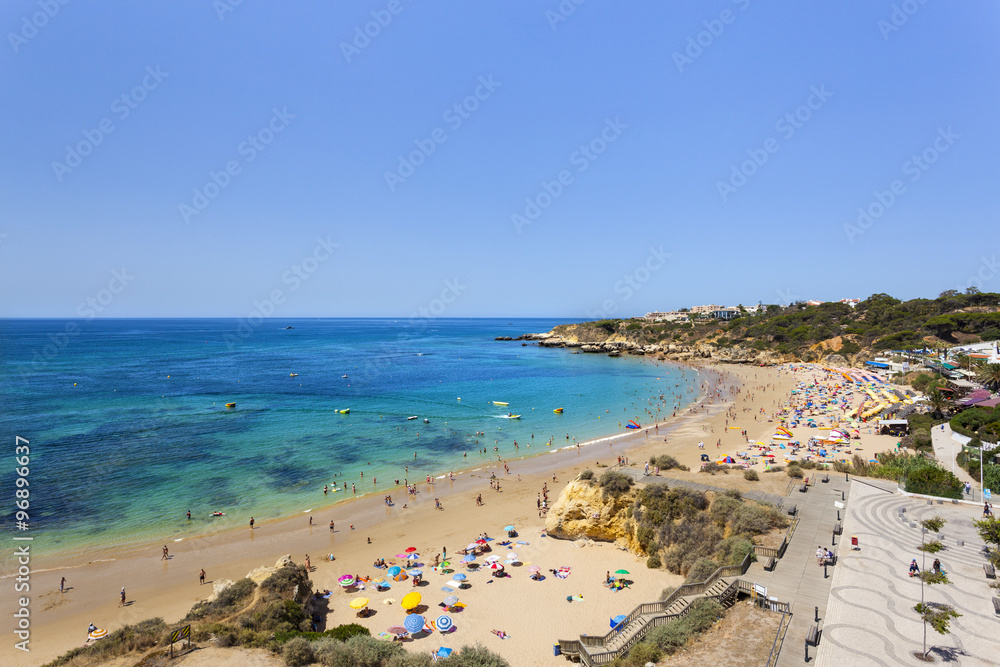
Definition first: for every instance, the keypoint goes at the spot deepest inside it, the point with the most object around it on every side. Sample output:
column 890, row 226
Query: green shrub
column 587, row 474
column 666, row 462
column 701, row 570
column 795, row 472
column 751, row 476
column 474, row 656
column 931, row 547
column 229, row 601
column 723, row 508
column 934, row 481
column 733, row 549
column 615, row 483
column 654, row 562
column 298, row 652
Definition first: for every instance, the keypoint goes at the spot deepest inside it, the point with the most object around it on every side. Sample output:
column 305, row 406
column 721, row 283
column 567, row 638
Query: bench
column 990, row 572
column 996, row 605
column 826, row 478
column 792, row 510
column 803, row 488
column 813, row 636
column 837, row 529
column 770, row 564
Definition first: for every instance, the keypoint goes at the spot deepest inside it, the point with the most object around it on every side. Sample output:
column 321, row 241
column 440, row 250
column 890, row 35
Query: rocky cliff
column 582, row 511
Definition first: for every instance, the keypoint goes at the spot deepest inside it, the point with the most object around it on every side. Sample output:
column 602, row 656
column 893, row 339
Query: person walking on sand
column 201, row 577
column 308, row 564
column 122, row 603
column 166, row 553
column 331, row 526
column 62, row 585
column 251, row 523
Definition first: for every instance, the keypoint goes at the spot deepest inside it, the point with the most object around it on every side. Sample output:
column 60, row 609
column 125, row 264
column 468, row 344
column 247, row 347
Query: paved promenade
column 870, row 618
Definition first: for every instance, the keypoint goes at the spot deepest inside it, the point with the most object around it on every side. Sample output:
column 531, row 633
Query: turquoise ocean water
column 128, row 427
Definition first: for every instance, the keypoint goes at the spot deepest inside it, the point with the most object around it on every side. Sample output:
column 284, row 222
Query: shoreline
column 169, row 588
column 75, row 557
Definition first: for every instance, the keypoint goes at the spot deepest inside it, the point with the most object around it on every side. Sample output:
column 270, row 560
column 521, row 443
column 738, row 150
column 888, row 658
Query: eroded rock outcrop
column 583, row 511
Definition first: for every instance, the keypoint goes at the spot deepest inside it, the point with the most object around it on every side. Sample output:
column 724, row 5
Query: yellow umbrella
column 410, row 600
column 359, row 603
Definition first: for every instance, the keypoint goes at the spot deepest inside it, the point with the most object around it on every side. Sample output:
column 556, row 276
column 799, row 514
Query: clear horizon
column 571, row 160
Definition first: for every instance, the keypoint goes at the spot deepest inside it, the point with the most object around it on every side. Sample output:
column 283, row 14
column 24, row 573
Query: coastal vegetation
column 668, row 638
column 808, row 332
column 274, row 616
column 691, row 534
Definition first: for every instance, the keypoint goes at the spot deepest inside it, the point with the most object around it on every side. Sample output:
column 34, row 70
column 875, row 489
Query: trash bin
column 556, row 650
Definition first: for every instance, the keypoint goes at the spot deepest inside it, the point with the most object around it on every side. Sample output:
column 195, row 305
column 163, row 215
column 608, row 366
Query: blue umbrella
column 414, row 623
column 508, row 527
column 459, row 577
column 394, row 570
column 443, row 623
column 444, row 652
column 618, row 620
column 468, row 559
column 414, row 572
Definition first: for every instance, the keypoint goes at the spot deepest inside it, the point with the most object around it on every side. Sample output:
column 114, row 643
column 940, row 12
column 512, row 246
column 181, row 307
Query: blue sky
column 615, row 159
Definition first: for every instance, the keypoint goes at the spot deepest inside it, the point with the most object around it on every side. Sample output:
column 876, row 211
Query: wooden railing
column 583, row 645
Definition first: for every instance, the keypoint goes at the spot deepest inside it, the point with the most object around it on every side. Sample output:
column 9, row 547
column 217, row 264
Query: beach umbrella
column 492, row 558
column 471, row 546
column 413, row 623
column 512, row 556
column 468, row 559
column 496, row 566
column 534, row 568
column 508, row 527
column 410, row 600
column 444, row 563
column 394, row 570
column 450, row 600
column 346, row 580
column 618, row 620
column 444, row 652
column 410, row 550
column 622, row 572
column 459, row 577
column 100, row 633
column 444, row 623
column 413, row 557
column 397, row 630
column 414, row 572
column 480, row 541
column 359, row 603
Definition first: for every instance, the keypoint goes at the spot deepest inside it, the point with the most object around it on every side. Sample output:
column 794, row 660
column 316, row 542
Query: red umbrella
column 496, row 566
column 480, row 541
column 410, row 550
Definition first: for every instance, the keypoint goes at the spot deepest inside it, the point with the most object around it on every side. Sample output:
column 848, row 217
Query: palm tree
column 989, row 375
column 937, row 400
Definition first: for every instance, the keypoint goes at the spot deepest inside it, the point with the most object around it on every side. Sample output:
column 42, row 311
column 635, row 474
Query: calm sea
column 128, row 425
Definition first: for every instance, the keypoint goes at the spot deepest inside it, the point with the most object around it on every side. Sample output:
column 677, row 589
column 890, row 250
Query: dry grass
column 743, row 626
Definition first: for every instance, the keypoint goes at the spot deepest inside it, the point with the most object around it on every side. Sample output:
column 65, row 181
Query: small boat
column 411, row 418
column 344, row 375
column 427, row 421
column 289, row 327
column 510, row 416
column 230, row 405
column 558, row 411
column 293, row 375
column 500, row 403
column 345, row 411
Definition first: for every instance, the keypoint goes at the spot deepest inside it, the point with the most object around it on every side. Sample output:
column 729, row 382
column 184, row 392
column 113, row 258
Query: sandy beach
column 533, row 613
